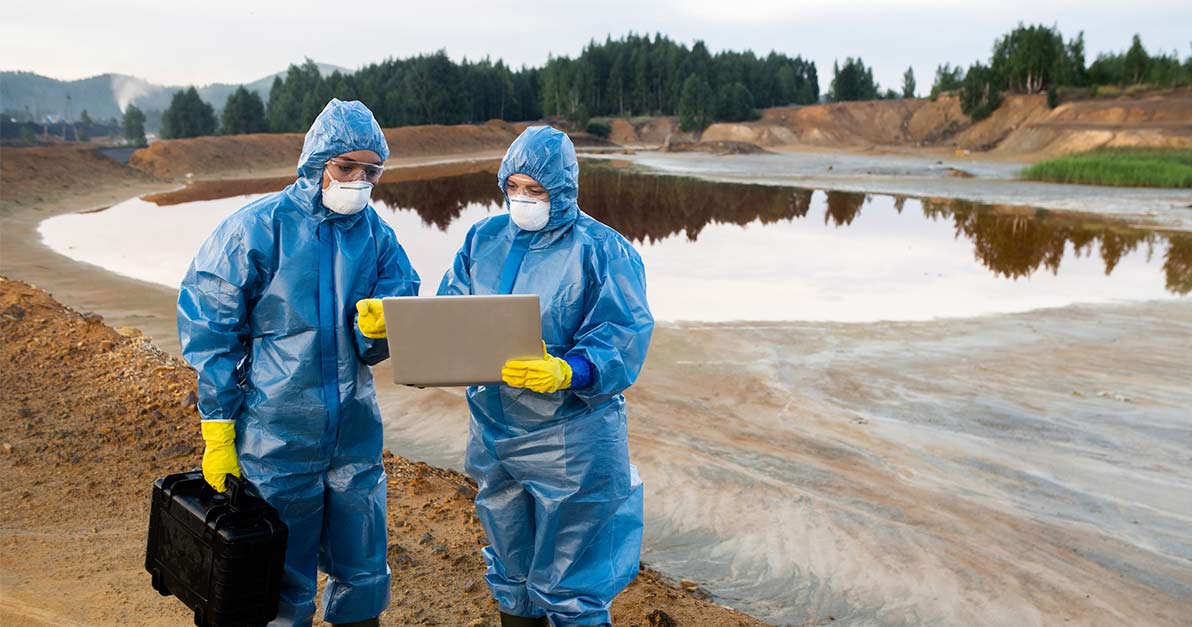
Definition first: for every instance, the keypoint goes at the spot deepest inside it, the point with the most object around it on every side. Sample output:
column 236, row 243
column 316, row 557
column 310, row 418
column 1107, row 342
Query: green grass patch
column 1119, row 167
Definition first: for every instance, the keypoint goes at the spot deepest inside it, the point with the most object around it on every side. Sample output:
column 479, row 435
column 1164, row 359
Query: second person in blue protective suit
column 559, row 501
column 267, row 315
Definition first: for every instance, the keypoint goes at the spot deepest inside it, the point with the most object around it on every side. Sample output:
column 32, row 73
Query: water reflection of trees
column 841, row 208
column 1177, row 264
column 439, row 201
column 1016, row 244
column 648, row 208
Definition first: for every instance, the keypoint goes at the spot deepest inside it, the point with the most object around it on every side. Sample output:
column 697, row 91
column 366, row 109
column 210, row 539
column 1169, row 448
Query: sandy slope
column 1023, row 128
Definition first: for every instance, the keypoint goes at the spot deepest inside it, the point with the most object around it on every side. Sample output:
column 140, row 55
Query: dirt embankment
column 887, row 122
column 91, row 415
column 1158, row 121
column 35, row 176
column 227, row 156
column 1023, row 127
column 646, row 131
column 210, row 189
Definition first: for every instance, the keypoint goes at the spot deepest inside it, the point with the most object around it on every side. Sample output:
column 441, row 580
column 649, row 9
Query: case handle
column 236, row 487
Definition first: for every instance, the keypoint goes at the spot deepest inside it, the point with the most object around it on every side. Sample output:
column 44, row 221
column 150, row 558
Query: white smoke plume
column 127, row 88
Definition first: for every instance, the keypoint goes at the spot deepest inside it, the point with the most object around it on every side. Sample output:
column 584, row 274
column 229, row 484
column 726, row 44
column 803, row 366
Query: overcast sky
column 234, row 42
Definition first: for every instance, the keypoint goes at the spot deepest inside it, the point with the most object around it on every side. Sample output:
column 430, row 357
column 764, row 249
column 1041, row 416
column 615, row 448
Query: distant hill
column 105, row 96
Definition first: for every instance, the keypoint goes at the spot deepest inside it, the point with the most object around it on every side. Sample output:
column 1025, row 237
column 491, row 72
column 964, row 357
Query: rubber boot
column 509, row 620
column 372, row 622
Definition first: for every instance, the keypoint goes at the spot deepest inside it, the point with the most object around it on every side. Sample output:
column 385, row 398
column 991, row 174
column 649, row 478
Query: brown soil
column 622, row 131
column 31, row 176
column 91, row 415
column 230, row 156
column 1022, row 128
column 218, row 154
column 647, row 131
column 1156, row 121
column 241, row 156
column 64, row 179
column 886, row 122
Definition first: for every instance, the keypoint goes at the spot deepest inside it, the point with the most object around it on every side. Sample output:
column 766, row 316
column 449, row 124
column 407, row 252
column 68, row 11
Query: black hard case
column 220, row 554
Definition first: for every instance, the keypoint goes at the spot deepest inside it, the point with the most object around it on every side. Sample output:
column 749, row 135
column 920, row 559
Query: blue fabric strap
column 517, row 252
column 513, row 261
column 328, row 355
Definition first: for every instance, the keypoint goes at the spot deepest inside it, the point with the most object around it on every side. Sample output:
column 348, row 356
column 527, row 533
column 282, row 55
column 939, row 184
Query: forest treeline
column 1035, row 59
column 639, row 75
column 632, row 76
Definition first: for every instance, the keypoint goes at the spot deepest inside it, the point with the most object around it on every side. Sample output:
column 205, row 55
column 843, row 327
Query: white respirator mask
column 529, row 214
column 347, row 198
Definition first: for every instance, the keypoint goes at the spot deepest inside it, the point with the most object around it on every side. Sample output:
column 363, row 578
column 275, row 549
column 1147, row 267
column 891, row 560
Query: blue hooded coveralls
column 558, row 498
column 266, row 315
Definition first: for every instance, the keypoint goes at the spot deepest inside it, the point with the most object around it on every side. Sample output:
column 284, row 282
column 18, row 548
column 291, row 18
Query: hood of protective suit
column 341, row 127
column 547, row 155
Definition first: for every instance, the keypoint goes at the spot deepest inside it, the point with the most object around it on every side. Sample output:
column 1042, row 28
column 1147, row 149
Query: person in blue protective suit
column 278, row 315
column 559, row 501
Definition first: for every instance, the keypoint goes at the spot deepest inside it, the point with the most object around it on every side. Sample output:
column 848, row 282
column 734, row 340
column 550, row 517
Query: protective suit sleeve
column 616, row 330
column 395, row 277
column 213, row 324
column 457, row 281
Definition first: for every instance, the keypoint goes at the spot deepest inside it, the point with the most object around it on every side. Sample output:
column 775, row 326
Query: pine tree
column 187, row 116
column 736, row 104
column 853, row 81
column 244, row 112
column 908, row 83
column 134, row 125
column 1029, row 59
column 1075, row 72
column 979, row 94
column 296, row 100
column 947, row 78
column 695, row 105
column 1136, row 61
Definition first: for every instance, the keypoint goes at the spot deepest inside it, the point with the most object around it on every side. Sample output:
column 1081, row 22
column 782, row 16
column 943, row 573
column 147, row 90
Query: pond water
column 718, row 251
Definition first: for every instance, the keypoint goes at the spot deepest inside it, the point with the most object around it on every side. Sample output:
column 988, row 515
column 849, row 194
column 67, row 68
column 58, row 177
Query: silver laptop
column 439, row 341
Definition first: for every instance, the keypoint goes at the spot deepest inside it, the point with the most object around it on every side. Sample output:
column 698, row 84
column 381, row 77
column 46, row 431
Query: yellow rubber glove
column 546, row 375
column 219, row 459
column 371, row 318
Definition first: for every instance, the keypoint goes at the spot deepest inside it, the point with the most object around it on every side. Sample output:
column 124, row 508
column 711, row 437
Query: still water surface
column 730, row 251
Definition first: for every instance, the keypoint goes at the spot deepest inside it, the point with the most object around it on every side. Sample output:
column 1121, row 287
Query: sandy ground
column 1027, row 470
column 79, row 460
column 91, row 416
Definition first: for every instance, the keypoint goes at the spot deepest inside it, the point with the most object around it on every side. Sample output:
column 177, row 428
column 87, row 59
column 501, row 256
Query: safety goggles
column 344, row 170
